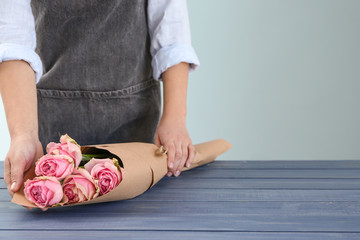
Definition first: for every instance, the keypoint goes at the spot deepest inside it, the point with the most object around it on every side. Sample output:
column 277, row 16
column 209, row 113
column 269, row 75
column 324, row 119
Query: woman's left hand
column 173, row 134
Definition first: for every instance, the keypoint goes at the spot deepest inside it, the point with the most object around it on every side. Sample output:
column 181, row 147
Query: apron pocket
column 97, row 117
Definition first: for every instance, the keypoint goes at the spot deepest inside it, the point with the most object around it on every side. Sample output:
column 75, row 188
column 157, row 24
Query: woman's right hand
column 23, row 152
column 18, row 92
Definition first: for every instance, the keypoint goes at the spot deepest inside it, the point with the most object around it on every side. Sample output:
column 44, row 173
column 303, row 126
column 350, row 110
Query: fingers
column 180, row 155
column 174, row 136
column 7, row 176
column 191, row 155
column 171, row 158
column 13, row 175
column 16, row 175
column 182, row 159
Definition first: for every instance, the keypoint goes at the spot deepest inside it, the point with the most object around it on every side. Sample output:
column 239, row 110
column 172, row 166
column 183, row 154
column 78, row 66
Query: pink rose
column 67, row 146
column 43, row 191
column 59, row 166
column 79, row 187
column 106, row 172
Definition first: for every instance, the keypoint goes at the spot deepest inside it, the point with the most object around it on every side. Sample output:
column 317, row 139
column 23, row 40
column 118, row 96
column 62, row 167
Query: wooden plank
column 272, row 173
column 285, row 164
column 266, row 183
column 295, row 208
column 175, row 221
column 214, row 195
column 166, row 216
column 174, row 235
column 250, row 195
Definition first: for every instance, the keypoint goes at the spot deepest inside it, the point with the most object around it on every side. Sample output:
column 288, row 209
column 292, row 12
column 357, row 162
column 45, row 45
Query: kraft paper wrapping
column 144, row 165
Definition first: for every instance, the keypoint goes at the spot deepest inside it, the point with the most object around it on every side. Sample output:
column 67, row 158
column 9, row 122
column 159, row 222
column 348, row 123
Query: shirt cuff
column 172, row 55
column 12, row 51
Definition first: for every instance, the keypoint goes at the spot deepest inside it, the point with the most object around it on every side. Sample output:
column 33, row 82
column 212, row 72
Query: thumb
column 17, row 175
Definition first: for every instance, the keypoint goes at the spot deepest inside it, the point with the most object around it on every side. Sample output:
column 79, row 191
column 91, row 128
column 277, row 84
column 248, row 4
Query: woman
column 103, row 62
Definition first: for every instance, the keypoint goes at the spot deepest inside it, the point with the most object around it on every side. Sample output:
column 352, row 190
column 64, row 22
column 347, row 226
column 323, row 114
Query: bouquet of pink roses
column 65, row 175
column 70, row 174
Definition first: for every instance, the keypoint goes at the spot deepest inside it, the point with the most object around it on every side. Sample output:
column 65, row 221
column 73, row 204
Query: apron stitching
column 54, row 93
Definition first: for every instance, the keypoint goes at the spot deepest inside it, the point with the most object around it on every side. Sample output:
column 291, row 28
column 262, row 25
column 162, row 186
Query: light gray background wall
column 279, row 79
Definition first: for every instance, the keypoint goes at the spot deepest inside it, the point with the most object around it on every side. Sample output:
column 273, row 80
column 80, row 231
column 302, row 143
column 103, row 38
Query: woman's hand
column 18, row 92
column 24, row 150
column 172, row 133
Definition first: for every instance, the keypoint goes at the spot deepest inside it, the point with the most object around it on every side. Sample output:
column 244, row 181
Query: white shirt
column 168, row 24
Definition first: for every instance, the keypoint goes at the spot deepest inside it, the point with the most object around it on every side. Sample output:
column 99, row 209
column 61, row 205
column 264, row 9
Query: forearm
column 18, row 92
column 175, row 81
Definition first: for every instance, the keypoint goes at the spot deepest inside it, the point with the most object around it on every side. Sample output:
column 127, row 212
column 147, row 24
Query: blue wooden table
column 222, row 200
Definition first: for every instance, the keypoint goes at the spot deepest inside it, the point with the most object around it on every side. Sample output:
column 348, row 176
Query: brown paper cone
column 143, row 164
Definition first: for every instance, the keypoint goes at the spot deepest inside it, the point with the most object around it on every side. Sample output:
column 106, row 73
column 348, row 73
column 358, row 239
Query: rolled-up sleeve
column 17, row 34
column 169, row 30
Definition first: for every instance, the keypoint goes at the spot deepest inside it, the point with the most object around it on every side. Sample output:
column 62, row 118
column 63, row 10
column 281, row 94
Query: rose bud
column 59, row 166
column 43, row 191
column 106, row 172
column 79, row 187
column 67, row 146
column 66, row 138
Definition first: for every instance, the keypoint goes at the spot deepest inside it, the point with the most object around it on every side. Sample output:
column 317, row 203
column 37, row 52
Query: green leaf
column 93, row 152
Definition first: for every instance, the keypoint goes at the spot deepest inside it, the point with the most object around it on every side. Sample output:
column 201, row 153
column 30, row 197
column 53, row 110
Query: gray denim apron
column 97, row 84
